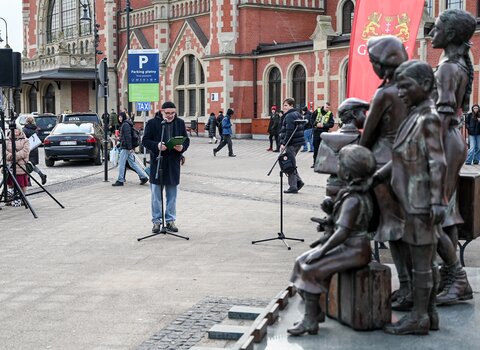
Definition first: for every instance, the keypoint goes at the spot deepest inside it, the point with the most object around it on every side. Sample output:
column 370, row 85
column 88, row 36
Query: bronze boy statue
column 416, row 173
column 348, row 247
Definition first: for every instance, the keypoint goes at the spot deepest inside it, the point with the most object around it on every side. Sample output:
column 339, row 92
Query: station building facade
column 214, row 54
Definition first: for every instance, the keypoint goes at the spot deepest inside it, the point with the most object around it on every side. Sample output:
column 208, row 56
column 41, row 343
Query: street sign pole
column 103, row 77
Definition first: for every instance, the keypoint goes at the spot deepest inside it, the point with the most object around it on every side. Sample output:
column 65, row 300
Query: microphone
column 300, row 121
column 164, row 121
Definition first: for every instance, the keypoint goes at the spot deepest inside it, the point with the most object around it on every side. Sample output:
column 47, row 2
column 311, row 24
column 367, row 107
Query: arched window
column 274, row 88
column 49, row 100
column 347, row 17
column 298, row 86
column 190, row 87
column 32, row 100
column 63, row 16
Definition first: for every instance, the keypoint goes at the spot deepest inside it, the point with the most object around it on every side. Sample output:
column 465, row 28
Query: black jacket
column 219, row 123
column 170, row 158
column 472, row 124
column 29, row 130
column 288, row 128
column 274, row 124
column 212, row 126
column 308, row 117
column 126, row 135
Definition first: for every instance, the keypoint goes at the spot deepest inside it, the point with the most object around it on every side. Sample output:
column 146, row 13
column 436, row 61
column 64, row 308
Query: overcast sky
column 11, row 11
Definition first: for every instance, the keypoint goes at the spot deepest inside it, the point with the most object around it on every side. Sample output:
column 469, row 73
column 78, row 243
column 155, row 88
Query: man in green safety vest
column 323, row 120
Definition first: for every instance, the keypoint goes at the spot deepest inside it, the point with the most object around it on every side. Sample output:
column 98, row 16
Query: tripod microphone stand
column 280, row 235
column 159, row 175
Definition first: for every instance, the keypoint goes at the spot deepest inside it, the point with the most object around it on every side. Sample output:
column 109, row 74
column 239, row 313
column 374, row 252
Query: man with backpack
column 129, row 139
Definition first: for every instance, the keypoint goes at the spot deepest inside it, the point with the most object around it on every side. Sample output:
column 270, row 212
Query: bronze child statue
column 387, row 112
column 416, row 173
column 348, row 247
column 453, row 76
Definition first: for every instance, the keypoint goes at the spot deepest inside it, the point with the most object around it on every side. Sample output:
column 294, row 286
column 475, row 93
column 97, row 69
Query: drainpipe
column 255, row 98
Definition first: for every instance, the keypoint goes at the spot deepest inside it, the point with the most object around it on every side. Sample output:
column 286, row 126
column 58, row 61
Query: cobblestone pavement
column 76, row 278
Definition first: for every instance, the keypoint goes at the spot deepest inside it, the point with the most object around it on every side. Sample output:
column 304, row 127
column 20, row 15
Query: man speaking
column 169, row 173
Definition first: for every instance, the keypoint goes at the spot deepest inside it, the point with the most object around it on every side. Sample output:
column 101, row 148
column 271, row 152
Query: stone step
column 226, row 332
column 244, row 312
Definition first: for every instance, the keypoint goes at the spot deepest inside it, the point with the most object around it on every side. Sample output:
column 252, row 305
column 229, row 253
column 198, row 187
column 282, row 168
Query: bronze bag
column 332, row 143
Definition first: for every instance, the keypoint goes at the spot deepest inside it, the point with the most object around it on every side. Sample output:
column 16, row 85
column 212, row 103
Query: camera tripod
column 10, row 171
column 159, row 175
column 280, row 235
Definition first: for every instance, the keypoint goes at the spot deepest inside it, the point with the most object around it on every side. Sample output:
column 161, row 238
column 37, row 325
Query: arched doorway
column 49, row 100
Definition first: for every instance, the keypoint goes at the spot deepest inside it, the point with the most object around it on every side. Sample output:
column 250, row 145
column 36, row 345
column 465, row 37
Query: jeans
column 126, row 155
column 473, row 155
column 307, row 136
column 171, row 207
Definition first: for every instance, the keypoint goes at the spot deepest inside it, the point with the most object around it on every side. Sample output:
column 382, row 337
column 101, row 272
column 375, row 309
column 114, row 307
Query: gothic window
column 274, row 88
column 455, row 4
column 298, row 86
column 32, row 100
column 347, row 17
column 190, row 87
column 63, row 16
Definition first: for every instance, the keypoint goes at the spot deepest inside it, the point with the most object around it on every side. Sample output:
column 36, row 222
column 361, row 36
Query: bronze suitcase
column 469, row 203
column 360, row 298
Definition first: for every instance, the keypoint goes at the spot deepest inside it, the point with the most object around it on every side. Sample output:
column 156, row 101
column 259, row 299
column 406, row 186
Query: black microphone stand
column 159, row 175
column 280, row 235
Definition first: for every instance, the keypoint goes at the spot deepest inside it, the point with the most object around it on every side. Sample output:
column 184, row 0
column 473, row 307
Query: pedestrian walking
column 126, row 153
column 113, row 124
column 220, row 117
column 227, row 134
column 212, row 128
column 294, row 133
column 307, row 130
column 274, row 129
column 29, row 129
column 472, row 122
column 169, row 176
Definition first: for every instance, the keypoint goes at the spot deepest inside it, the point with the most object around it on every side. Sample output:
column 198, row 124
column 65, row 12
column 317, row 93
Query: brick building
column 243, row 54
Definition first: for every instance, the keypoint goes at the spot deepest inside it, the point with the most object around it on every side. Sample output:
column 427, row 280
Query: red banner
column 376, row 18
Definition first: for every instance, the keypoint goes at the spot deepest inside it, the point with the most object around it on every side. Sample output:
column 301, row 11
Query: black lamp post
column 6, row 33
column 128, row 9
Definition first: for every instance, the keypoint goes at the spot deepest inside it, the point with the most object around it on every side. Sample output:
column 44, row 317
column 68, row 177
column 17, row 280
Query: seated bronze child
column 348, row 246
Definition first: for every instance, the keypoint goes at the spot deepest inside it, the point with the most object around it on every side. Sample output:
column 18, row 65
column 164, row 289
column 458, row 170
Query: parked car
column 80, row 118
column 74, row 141
column 45, row 124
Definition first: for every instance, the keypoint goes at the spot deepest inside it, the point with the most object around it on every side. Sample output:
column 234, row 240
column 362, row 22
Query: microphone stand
column 159, row 175
column 280, row 235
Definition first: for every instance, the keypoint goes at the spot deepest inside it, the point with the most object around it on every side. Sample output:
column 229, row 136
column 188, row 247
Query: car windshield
column 46, row 122
column 92, row 118
column 72, row 128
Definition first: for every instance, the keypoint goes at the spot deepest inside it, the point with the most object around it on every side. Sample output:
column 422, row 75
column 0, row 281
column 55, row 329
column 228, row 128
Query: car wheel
column 49, row 162
column 98, row 158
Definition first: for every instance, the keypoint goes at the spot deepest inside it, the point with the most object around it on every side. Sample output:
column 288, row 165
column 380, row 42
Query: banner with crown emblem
column 376, row 18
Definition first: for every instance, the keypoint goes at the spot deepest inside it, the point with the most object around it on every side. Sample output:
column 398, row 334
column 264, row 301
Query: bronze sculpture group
column 409, row 157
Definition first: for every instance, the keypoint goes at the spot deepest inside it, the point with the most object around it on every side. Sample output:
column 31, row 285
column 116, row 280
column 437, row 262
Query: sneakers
column 232, row 155
column 143, row 180
column 215, row 152
column 156, row 228
column 172, row 227
column 118, row 183
column 291, row 190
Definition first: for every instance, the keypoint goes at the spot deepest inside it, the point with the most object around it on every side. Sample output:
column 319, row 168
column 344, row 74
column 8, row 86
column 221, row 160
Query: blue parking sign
column 143, row 75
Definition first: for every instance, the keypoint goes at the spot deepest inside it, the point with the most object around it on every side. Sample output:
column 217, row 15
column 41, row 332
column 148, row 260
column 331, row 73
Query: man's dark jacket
column 126, row 135
column 170, row 158
column 472, row 123
column 288, row 127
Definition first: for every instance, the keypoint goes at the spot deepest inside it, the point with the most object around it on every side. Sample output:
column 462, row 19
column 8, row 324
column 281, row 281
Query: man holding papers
column 175, row 141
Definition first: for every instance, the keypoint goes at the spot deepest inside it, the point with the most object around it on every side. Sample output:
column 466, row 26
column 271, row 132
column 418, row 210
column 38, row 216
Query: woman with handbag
column 29, row 129
column 22, row 151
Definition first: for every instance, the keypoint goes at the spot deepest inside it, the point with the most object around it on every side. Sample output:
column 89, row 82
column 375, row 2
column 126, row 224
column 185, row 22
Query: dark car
column 79, row 118
column 74, row 141
column 45, row 124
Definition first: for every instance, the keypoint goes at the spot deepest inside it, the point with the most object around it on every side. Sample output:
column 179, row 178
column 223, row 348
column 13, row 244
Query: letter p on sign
column 142, row 60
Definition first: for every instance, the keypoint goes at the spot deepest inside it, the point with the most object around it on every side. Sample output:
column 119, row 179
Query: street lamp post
column 6, row 33
column 128, row 9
